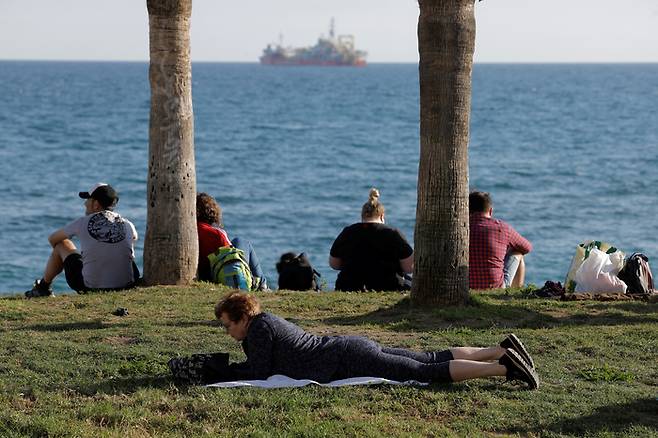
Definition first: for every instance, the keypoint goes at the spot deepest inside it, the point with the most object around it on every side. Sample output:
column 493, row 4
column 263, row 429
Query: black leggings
column 364, row 357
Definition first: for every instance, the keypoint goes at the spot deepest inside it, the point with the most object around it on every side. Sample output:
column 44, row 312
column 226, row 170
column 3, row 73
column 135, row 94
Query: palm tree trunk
column 446, row 41
column 171, row 245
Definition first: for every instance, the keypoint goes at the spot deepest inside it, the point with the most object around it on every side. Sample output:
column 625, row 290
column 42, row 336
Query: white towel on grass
column 280, row 381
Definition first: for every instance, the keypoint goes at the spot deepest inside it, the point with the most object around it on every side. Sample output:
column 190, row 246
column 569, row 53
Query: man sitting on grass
column 496, row 249
column 106, row 260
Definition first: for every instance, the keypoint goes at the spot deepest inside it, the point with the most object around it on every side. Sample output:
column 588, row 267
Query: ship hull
column 316, row 62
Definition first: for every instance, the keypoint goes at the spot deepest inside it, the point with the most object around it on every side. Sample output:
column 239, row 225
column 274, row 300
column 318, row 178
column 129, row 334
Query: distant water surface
column 569, row 153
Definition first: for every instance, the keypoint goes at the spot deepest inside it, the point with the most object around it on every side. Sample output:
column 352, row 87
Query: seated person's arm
column 339, row 249
column 335, row 262
column 134, row 230
column 407, row 264
column 518, row 243
column 57, row 237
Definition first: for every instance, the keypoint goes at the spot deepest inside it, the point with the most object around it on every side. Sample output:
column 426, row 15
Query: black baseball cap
column 103, row 193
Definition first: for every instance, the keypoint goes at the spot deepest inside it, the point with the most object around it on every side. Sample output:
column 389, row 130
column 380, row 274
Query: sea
column 569, row 153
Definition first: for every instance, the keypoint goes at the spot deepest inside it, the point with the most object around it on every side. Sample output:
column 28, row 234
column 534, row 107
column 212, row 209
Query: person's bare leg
column 55, row 264
column 519, row 277
column 467, row 369
column 477, row 353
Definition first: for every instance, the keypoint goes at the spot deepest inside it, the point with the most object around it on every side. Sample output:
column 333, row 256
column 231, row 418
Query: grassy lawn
column 68, row 367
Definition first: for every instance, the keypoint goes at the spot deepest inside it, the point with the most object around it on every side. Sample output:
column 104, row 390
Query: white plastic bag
column 598, row 273
column 582, row 252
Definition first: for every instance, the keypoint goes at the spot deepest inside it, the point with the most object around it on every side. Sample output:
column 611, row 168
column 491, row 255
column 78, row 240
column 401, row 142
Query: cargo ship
column 331, row 51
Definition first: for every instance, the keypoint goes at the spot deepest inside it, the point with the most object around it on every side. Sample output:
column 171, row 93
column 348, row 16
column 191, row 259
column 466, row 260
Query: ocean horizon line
column 120, row 61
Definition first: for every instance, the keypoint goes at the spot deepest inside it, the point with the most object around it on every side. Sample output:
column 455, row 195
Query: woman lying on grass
column 276, row 346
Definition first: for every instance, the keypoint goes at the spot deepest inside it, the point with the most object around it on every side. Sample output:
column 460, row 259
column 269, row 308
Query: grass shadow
column 510, row 312
column 192, row 324
column 383, row 315
column 68, row 326
column 615, row 419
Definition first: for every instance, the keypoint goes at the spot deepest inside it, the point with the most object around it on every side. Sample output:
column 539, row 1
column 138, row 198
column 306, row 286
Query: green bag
column 228, row 266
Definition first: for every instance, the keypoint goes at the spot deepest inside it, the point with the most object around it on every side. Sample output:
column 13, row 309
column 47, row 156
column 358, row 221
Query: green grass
column 68, row 367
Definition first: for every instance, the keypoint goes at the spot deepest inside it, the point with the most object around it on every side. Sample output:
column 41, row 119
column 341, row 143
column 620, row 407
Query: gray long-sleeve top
column 276, row 346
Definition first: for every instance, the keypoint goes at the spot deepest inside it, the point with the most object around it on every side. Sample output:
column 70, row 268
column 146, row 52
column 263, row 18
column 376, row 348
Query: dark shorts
column 73, row 272
column 75, row 280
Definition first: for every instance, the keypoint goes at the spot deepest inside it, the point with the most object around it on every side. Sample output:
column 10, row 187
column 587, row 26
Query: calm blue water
column 569, row 153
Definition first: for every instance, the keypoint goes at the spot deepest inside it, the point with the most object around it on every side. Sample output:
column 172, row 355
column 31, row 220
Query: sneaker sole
column 516, row 345
column 521, row 365
column 28, row 295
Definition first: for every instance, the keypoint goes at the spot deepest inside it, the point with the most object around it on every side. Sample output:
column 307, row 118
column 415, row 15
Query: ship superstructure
column 332, row 51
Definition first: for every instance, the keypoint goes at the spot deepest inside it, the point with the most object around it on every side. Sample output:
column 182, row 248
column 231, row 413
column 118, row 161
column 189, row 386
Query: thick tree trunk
column 446, row 41
column 170, row 246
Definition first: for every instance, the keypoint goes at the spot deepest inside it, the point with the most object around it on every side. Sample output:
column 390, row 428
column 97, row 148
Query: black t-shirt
column 371, row 254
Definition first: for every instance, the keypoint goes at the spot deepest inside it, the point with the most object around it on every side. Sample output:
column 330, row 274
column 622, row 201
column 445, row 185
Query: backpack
column 297, row 273
column 229, row 266
column 636, row 273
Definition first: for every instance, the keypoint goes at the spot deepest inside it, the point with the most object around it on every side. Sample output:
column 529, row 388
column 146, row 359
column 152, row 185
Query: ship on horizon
column 332, row 51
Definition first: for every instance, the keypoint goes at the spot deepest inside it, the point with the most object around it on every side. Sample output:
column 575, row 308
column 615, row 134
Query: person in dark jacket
column 371, row 255
column 275, row 346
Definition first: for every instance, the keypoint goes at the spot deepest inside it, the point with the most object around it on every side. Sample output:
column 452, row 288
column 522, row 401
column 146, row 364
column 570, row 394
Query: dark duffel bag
column 636, row 273
column 202, row 368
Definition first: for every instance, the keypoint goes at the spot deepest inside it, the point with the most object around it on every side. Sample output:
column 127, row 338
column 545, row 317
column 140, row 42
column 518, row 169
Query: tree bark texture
column 171, row 244
column 446, row 42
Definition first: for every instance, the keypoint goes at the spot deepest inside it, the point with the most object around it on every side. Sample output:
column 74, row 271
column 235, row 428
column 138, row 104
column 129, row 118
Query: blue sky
column 222, row 30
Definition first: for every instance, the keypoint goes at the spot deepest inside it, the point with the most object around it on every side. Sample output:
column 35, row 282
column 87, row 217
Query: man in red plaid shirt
column 496, row 249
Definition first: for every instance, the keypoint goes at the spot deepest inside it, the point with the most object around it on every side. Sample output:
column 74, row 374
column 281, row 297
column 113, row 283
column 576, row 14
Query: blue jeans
column 509, row 270
column 252, row 259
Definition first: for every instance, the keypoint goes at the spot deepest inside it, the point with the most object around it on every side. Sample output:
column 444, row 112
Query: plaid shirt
column 491, row 239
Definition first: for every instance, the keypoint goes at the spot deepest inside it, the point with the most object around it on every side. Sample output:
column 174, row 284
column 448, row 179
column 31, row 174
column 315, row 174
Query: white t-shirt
column 106, row 245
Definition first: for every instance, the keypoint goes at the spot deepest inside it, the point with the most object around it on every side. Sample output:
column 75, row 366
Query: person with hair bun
column 276, row 346
column 369, row 254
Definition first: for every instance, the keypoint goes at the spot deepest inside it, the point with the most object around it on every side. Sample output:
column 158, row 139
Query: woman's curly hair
column 208, row 210
column 236, row 305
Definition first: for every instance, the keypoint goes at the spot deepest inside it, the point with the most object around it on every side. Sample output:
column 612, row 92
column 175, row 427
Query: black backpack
column 297, row 273
column 636, row 273
column 201, row 368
